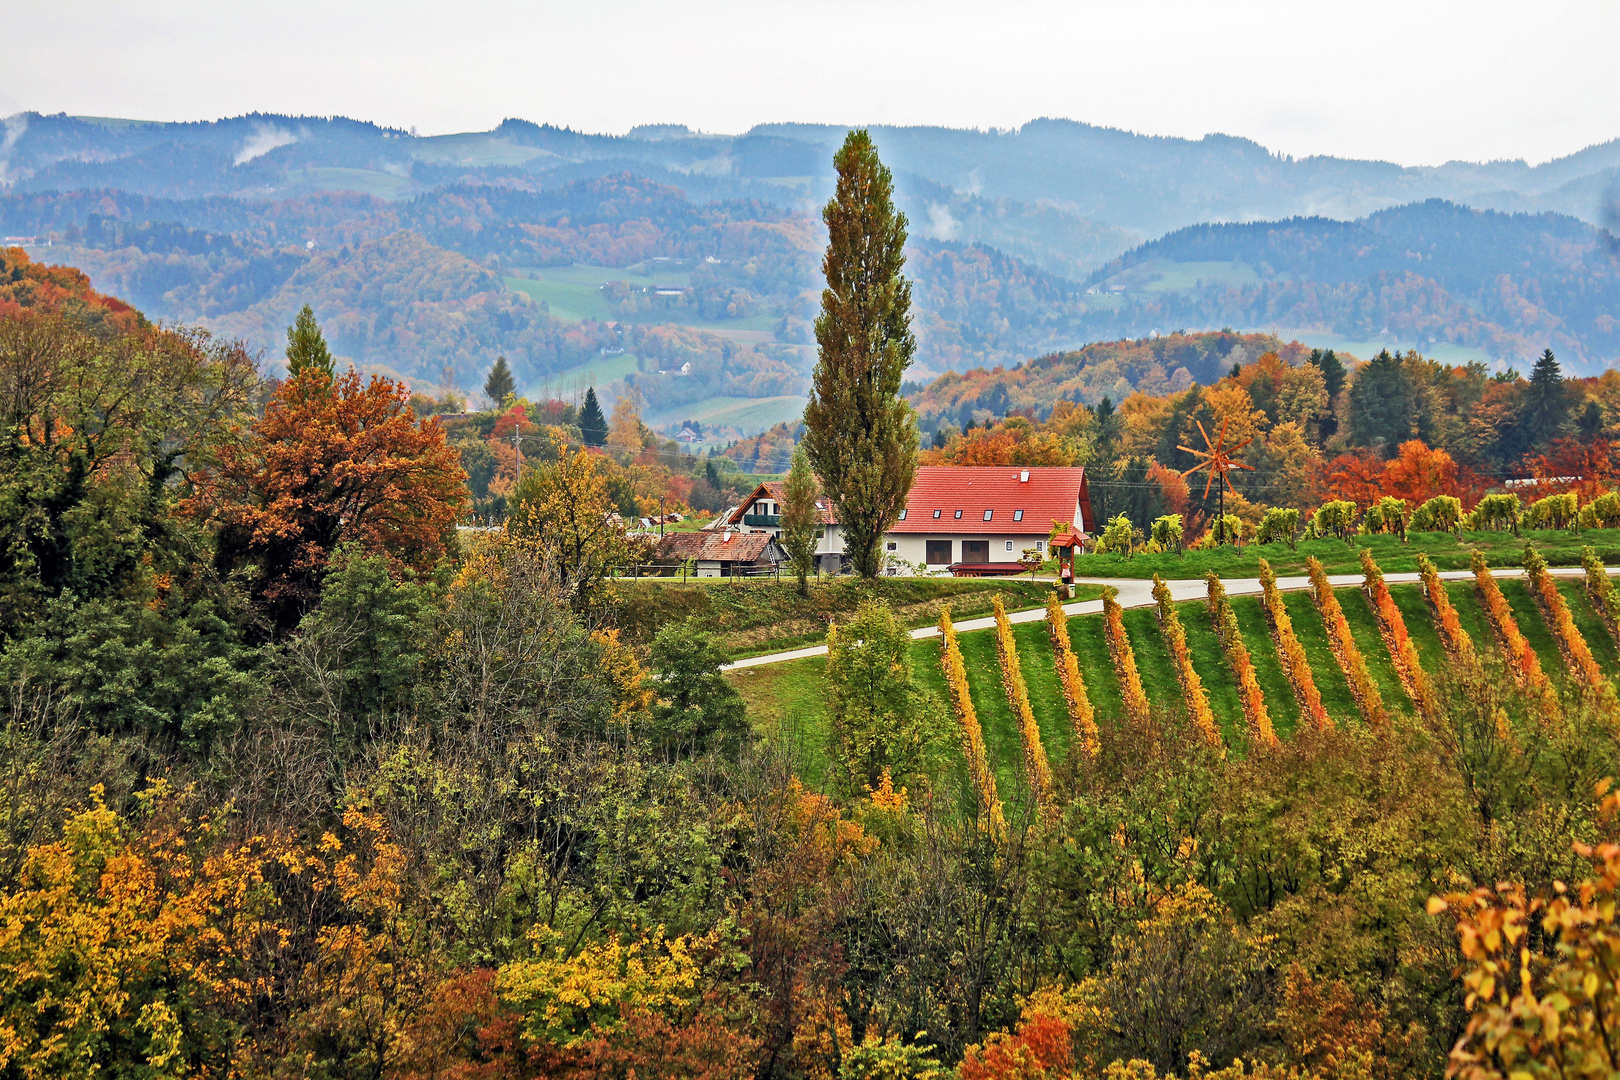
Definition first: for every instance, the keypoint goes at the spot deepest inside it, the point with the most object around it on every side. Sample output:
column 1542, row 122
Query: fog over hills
column 531, row 240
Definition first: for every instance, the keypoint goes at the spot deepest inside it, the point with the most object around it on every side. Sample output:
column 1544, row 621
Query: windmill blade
column 1190, row 450
column 1223, row 430
column 1241, row 445
column 1209, row 482
column 1240, row 465
column 1207, row 440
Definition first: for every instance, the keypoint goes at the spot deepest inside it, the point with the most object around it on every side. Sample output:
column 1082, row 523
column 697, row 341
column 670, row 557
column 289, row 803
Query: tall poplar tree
column 861, row 436
column 306, row 347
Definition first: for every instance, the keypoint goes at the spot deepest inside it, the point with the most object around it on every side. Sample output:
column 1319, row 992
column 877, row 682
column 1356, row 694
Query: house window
column 1009, row 545
column 1040, row 545
column 893, row 546
column 959, row 515
column 1018, row 515
column 936, row 515
column 988, row 514
column 903, row 513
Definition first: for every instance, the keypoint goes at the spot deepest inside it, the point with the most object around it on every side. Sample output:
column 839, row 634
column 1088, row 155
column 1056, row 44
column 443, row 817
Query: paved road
column 1137, row 592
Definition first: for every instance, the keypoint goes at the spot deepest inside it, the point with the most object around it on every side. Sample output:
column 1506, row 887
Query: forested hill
column 1112, row 369
column 567, row 252
column 1431, row 273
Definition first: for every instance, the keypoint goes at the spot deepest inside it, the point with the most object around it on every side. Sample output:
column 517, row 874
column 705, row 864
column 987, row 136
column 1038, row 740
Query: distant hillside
column 435, row 254
column 1113, row 369
column 1430, row 273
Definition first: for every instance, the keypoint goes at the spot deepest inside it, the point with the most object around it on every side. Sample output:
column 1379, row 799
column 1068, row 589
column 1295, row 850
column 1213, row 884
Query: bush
column 1387, row 515
column 1553, row 512
column 1118, row 537
column 1279, row 525
column 1167, row 532
column 1496, row 513
column 1443, row 513
column 1602, row 512
column 1221, row 531
column 1336, row 519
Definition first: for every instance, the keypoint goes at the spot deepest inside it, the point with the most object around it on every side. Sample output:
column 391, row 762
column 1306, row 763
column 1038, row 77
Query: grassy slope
column 785, row 699
column 1448, row 552
column 1256, row 631
column 1209, row 660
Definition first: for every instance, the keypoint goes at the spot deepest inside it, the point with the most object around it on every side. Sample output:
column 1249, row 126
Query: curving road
column 1138, row 592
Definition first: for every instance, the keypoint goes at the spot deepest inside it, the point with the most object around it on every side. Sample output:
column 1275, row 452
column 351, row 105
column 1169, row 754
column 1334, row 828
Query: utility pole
column 517, row 445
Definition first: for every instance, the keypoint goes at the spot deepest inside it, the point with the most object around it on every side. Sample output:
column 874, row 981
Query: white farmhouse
column 967, row 520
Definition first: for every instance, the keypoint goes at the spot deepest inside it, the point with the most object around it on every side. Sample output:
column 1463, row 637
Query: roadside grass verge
column 755, row 616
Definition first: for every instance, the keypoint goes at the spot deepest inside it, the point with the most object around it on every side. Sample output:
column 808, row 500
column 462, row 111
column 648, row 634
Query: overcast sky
column 1412, row 81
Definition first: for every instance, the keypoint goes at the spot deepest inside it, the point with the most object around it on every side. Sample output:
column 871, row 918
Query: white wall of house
column 913, row 547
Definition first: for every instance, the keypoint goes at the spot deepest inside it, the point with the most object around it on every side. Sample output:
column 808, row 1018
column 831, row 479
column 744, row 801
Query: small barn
column 722, row 553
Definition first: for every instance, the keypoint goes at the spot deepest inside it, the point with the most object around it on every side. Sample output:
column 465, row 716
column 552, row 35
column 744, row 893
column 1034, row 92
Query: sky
column 1414, row 82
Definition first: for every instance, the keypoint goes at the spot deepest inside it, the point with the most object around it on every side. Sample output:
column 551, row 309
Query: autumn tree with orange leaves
column 332, row 462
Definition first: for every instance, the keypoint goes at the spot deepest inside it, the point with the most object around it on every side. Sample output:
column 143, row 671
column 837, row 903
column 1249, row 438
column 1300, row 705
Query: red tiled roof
column 1050, row 493
column 720, row 546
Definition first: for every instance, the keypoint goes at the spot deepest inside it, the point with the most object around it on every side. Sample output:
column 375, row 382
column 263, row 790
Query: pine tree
column 801, row 520
column 306, row 348
column 500, row 384
column 593, row 427
column 1546, row 401
column 861, row 436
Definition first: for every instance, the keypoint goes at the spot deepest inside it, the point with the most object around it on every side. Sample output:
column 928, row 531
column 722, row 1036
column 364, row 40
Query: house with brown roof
column 956, row 518
column 722, row 553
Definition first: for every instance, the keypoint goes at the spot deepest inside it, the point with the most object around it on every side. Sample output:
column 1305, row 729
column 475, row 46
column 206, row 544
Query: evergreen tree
column 593, row 427
column 500, row 385
column 1546, row 402
column 306, row 348
column 861, row 436
column 1389, row 402
column 1333, row 375
column 801, row 521
column 1332, row 369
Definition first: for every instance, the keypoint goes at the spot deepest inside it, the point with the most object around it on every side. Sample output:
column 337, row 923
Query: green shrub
column 1443, row 513
column 1167, row 532
column 1553, row 512
column 1337, row 519
column 1602, row 512
column 1279, row 525
column 1496, row 513
column 1118, row 537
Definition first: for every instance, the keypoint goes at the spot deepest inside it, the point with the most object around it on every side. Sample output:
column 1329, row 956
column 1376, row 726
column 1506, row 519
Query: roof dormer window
column 959, row 515
column 903, row 513
column 1018, row 515
column 988, row 514
column 936, row 515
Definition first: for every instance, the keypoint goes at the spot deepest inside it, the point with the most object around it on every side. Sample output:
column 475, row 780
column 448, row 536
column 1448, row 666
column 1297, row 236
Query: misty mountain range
column 530, row 239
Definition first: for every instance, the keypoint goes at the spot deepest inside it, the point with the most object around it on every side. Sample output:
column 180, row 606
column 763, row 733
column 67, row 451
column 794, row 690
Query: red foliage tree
column 328, row 464
column 1586, row 467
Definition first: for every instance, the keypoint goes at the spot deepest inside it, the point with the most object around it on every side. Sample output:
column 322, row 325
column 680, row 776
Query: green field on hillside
column 785, row 699
column 574, row 293
column 1558, row 546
